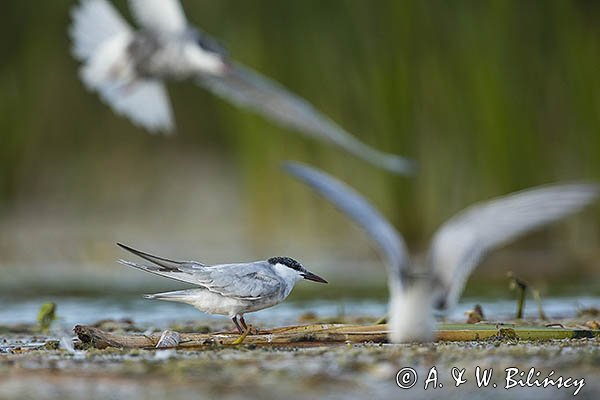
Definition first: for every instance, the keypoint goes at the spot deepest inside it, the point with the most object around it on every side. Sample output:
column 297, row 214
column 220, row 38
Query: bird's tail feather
column 178, row 295
column 163, row 262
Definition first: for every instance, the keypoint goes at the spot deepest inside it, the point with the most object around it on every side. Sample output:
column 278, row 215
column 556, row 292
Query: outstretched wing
column 361, row 211
column 250, row 90
column 145, row 102
column 101, row 38
column 159, row 15
column 248, row 281
column 460, row 243
column 94, row 22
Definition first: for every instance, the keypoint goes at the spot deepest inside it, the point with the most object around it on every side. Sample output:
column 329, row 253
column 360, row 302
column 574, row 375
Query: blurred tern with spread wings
column 128, row 69
column 457, row 247
column 227, row 289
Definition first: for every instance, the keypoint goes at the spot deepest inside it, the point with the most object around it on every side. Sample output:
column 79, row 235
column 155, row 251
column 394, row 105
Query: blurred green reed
column 488, row 96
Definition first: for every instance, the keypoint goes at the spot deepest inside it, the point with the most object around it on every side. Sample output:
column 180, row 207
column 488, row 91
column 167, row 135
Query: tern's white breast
column 411, row 314
column 288, row 275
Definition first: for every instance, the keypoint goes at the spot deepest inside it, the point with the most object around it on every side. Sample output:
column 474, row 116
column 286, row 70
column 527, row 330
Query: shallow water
column 85, row 310
column 339, row 371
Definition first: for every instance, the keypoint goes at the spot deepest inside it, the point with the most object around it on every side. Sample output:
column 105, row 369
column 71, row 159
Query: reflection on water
column 73, row 310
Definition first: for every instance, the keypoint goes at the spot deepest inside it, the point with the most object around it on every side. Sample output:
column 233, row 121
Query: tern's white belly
column 411, row 314
column 214, row 303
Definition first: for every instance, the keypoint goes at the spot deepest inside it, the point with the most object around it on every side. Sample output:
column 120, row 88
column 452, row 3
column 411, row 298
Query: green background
column 488, row 96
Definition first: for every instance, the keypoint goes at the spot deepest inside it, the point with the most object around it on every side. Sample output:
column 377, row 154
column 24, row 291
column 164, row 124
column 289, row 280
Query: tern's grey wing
column 159, row 15
column 94, row 22
column 248, row 89
column 361, row 211
column 460, row 243
column 245, row 281
column 250, row 281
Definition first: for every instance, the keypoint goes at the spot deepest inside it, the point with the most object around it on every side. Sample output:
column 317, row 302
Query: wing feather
column 248, row 89
column 93, row 23
column 361, row 211
column 249, row 281
column 145, row 102
column 461, row 243
column 159, row 15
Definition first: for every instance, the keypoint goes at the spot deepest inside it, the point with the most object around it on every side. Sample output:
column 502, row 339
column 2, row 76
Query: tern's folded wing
column 248, row 89
column 249, row 281
column 245, row 281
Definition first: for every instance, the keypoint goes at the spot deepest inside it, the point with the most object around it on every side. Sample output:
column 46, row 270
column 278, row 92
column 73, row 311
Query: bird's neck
column 289, row 275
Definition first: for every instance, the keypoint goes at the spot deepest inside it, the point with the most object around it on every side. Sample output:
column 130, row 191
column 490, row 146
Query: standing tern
column 128, row 69
column 457, row 247
column 227, row 289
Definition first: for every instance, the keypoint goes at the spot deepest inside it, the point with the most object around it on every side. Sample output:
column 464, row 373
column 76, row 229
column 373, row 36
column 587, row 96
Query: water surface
column 85, row 310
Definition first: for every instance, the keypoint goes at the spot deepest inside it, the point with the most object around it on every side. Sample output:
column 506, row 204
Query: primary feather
column 246, row 281
column 250, row 90
column 460, row 244
column 101, row 39
column 146, row 103
column 94, row 23
column 456, row 249
column 127, row 70
column 362, row 212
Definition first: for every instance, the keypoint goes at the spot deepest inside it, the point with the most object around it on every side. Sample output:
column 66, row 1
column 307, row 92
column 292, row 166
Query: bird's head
column 207, row 43
column 290, row 265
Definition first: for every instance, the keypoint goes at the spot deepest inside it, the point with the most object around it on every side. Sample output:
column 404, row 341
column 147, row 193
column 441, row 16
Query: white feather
column 159, row 15
column 355, row 206
column 248, row 89
column 456, row 249
column 290, row 277
column 100, row 39
column 94, row 23
column 461, row 242
column 411, row 314
column 209, row 302
column 110, row 72
column 109, row 65
column 145, row 102
column 201, row 61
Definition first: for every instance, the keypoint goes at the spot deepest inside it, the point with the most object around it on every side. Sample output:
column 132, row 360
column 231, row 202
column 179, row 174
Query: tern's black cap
column 287, row 261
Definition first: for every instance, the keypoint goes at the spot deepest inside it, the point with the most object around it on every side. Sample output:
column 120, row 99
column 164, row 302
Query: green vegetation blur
column 488, row 96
